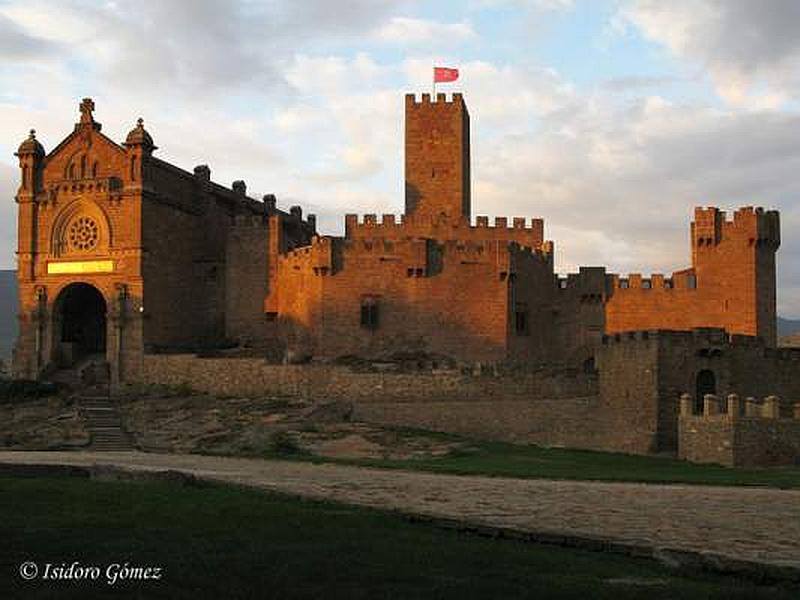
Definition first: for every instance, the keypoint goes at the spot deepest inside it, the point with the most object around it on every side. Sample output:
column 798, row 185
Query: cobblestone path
column 746, row 524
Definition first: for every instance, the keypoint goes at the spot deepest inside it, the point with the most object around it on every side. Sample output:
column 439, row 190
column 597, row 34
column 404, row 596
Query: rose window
column 83, row 234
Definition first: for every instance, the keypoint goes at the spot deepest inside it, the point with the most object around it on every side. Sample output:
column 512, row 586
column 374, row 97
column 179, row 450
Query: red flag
column 444, row 75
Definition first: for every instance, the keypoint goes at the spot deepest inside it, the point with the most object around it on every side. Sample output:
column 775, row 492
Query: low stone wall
column 739, row 442
column 539, row 408
column 255, row 377
column 565, row 422
column 749, row 434
column 706, row 440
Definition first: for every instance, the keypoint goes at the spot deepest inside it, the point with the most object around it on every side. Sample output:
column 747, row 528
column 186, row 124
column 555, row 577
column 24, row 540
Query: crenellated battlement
column 737, row 431
column 524, row 231
column 391, row 220
column 317, row 256
column 752, row 225
column 439, row 101
column 710, row 335
column 679, row 280
column 734, row 406
column 713, row 336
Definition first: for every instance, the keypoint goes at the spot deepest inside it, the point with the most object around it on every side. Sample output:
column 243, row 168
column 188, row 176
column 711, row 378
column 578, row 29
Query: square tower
column 734, row 261
column 437, row 157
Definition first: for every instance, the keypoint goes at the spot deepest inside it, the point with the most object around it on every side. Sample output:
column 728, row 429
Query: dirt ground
column 161, row 422
column 42, row 424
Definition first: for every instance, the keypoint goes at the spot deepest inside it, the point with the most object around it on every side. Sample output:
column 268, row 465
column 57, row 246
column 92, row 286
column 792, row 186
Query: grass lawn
column 532, row 462
column 224, row 542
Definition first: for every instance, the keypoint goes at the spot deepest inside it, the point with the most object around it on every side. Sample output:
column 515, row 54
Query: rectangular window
column 521, row 320
column 369, row 313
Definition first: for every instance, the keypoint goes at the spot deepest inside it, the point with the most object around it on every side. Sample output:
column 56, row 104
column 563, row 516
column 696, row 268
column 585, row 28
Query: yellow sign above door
column 78, row 267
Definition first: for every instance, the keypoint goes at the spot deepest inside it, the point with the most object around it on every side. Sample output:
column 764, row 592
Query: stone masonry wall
column 629, row 399
column 254, row 377
column 740, row 432
column 558, row 410
column 546, row 422
column 423, row 304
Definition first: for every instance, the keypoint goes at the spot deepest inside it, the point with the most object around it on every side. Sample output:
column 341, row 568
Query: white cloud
column 407, row 30
column 750, row 49
column 297, row 119
column 540, row 5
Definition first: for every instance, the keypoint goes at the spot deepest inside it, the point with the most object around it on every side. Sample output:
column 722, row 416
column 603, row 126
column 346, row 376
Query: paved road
column 756, row 525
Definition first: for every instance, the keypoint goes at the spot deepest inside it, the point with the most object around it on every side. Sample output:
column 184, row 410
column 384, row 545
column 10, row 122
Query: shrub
column 283, row 444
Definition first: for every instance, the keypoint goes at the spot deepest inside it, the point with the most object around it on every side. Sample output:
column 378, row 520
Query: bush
column 283, row 444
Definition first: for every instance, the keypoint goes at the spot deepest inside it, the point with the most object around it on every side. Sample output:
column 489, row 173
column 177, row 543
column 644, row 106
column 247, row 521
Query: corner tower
column 437, row 161
column 734, row 261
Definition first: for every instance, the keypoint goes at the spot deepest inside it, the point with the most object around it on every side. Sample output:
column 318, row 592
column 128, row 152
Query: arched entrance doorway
column 80, row 326
column 706, row 384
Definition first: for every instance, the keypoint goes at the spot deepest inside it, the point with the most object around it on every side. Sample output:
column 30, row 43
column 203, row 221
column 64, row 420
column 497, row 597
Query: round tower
column 140, row 146
column 31, row 155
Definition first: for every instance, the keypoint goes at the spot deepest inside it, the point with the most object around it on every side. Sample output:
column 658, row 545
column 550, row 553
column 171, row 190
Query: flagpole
column 433, row 97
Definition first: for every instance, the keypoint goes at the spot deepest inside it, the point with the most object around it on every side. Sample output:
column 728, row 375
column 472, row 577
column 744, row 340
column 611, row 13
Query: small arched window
column 133, row 168
column 71, row 171
column 706, row 383
column 94, row 170
column 588, row 365
column 25, row 177
column 83, row 167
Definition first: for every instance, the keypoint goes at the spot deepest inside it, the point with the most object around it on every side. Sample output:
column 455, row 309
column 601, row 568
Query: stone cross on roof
column 87, row 106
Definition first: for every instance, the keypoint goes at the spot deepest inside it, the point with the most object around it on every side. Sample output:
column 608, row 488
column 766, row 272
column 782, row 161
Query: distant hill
column 8, row 313
column 789, row 332
column 788, row 327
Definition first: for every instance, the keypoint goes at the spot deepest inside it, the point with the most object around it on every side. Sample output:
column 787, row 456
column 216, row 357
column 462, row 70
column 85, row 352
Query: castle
column 128, row 257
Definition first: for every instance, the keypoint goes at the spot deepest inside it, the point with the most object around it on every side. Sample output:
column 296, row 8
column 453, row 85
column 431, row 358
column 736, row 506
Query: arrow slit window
column 370, row 312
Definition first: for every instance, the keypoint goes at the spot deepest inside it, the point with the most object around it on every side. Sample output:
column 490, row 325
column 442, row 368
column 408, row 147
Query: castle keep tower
column 437, row 157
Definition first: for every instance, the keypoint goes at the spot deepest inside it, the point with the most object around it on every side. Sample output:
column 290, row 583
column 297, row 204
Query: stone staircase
column 103, row 420
column 89, row 379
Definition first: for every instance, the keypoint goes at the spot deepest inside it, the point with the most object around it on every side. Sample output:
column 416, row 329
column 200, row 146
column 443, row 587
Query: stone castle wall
column 568, row 422
column 741, row 432
column 256, row 377
column 630, row 405
column 418, row 287
column 538, row 408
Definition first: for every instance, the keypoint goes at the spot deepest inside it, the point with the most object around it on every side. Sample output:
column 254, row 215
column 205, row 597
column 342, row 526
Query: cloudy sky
column 609, row 119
